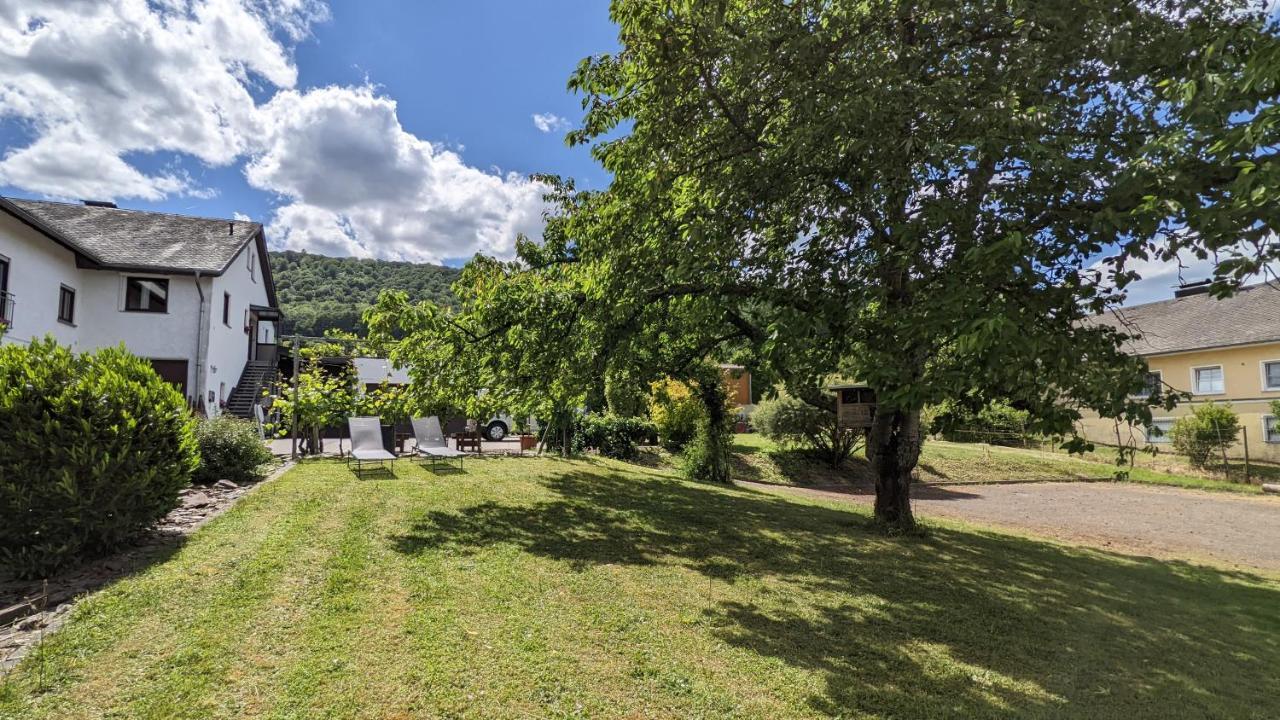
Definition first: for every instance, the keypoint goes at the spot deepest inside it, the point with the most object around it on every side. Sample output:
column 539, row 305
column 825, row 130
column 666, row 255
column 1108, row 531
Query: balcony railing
column 6, row 308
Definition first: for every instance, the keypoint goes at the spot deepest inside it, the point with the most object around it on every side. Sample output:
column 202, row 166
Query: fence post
column 297, row 350
column 1245, row 430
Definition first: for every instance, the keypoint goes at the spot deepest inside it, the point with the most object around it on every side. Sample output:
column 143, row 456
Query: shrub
column 997, row 423
column 706, row 457
column 676, row 412
column 96, row 447
column 229, row 449
column 613, row 436
column 1207, row 432
column 792, row 422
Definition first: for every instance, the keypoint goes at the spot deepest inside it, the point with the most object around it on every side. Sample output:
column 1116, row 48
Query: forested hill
column 317, row 293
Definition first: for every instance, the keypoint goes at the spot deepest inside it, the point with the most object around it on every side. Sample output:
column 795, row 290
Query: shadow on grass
column 953, row 625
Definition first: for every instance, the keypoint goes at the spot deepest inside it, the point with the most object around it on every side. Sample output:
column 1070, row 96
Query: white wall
column 229, row 343
column 38, row 267
column 170, row 335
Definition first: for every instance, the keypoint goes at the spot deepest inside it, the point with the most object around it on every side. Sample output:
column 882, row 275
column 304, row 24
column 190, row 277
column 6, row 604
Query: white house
column 192, row 295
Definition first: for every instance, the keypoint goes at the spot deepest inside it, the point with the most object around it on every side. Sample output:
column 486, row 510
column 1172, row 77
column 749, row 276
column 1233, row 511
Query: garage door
column 174, row 371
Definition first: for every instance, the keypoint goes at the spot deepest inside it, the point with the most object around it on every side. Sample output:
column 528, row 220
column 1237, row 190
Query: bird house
column 855, row 405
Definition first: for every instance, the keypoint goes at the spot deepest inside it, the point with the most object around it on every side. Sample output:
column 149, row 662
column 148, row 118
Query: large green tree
column 917, row 193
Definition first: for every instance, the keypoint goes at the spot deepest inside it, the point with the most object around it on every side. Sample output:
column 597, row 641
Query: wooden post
column 1245, row 430
column 297, row 349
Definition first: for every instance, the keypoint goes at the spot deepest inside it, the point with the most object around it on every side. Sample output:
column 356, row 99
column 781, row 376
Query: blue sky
column 375, row 127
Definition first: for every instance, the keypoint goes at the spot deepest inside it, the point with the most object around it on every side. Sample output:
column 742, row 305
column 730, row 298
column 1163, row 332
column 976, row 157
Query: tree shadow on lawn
column 959, row 623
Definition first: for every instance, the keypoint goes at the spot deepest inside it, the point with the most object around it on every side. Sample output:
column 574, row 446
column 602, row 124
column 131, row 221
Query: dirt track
column 1236, row 530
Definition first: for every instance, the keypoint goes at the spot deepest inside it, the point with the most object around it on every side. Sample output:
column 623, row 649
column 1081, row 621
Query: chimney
column 99, row 203
column 231, row 229
column 1188, row 289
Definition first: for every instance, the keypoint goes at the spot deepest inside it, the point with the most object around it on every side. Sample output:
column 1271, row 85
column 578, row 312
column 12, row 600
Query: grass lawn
column 941, row 461
column 563, row 589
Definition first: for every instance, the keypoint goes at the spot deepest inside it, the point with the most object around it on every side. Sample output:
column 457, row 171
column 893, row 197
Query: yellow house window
column 1158, row 430
column 1152, row 385
column 1271, row 375
column 1208, row 380
column 1270, row 430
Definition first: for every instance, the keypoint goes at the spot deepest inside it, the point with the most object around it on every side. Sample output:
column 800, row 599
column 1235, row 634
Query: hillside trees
column 320, row 294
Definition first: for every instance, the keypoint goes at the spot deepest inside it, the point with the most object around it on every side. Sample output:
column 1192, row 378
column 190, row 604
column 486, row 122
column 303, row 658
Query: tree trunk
column 893, row 449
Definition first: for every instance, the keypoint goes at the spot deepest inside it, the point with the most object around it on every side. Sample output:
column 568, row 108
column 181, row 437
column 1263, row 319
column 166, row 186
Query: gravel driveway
column 1238, row 530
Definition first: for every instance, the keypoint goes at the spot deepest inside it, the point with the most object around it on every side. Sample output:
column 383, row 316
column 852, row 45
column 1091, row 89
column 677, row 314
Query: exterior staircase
column 257, row 375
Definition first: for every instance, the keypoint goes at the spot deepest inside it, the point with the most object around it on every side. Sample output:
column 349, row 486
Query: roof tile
column 1196, row 322
column 144, row 240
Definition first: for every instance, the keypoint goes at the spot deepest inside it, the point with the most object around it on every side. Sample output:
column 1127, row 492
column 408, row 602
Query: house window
column 1208, row 380
column 1158, row 430
column 1271, row 375
column 226, row 309
column 146, row 295
column 1270, row 430
column 66, row 305
column 1152, row 385
column 6, row 302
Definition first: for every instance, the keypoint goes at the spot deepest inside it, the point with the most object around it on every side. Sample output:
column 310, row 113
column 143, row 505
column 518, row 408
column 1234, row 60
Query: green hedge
column 230, row 449
column 1206, row 433
column 613, row 435
column 96, row 447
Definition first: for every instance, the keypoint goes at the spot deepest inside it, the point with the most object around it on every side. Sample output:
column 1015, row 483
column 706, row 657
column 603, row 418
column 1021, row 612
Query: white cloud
column 96, row 81
column 1159, row 278
column 359, row 184
column 101, row 83
column 549, row 122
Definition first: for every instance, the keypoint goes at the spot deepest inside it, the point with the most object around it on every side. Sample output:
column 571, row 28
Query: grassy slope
column 760, row 459
column 546, row 588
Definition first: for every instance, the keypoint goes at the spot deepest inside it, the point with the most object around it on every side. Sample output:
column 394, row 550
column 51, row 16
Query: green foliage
column 675, row 411
column 707, row 457
column 792, row 422
column 230, row 449
column 321, row 398
column 389, row 402
column 319, row 293
column 1206, row 433
column 95, row 448
column 625, row 395
column 996, row 423
column 613, row 435
column 913, row 194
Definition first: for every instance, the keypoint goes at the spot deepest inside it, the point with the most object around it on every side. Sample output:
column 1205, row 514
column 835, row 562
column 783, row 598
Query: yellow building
column 1224, row 351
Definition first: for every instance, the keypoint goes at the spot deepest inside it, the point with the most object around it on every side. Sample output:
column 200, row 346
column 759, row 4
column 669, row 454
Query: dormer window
column 142, row 294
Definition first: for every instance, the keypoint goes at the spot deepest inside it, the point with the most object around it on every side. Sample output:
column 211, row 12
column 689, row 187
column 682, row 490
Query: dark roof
column 1196, row 322
column 138, row 240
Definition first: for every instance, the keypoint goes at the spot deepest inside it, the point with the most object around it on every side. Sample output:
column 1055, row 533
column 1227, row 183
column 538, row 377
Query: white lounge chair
column 366, row 443
column 430, row 441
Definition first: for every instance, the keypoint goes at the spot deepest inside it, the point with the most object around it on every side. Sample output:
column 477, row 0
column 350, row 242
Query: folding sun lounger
column 431, row 443
column 366, row 443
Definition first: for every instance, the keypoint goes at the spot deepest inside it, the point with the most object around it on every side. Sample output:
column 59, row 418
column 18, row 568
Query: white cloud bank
column 549, row 122
column 1160, row 278
column 97, row 82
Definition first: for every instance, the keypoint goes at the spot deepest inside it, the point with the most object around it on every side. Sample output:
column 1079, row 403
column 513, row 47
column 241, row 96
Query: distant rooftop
column 136, row 239
column 1200, row 321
